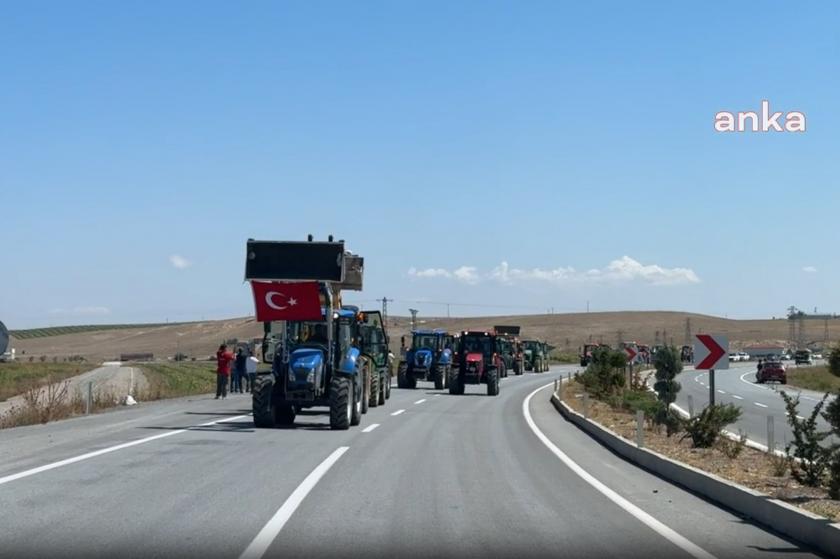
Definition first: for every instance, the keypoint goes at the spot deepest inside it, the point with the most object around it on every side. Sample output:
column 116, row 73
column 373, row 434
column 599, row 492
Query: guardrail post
column 640, row 423
column 556, row 384
column 771, row 443
column 560, row 389
column 585, row 405
column 89, row 399
column 690, row 406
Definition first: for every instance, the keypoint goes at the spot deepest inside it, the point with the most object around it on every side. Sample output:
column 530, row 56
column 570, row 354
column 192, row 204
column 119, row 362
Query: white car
column 816, row 355
column 734, row 357
column 744, row 355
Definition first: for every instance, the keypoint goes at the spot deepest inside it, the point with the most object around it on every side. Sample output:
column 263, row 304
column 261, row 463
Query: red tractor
column 478, row 362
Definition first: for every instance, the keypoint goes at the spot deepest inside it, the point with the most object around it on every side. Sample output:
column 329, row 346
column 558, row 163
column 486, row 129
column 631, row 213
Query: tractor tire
column 366, row 380
column 373, row 395
column 358, row 397
column 387, row 386
column 538, row 366
column 446, row 374
column 455, row 383
column 492, row 382
column 518, row 368
column 341, row 403
column 284, row 414
column 412, row 382
column 383, row 389
column 402, row 376
column 439, row 377
column 503, row 371
column 261, row 402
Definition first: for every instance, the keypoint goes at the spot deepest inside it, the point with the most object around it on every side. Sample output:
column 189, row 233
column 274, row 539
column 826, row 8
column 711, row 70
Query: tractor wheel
column 284, row 414
column 366, row 380
column 518, row 368
column 402, row 376
column 373, row 395
column 412, row 382
column 492, row 382
column 438, row 376
column 261, row 401
column 503, row 373
column 387, row 386
column 446, row 375
column 453, row 383
column 341, row 402
column 383, row 389
column 358, row 397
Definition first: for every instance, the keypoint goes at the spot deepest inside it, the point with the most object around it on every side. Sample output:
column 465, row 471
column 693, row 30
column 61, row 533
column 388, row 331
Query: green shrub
column 605, row 374
column 813, row 457
column 832, row 416
column 834, row 361
column 705, row 428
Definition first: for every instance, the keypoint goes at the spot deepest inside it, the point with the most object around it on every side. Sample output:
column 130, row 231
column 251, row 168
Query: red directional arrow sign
column 711, row 352
column 631, row 353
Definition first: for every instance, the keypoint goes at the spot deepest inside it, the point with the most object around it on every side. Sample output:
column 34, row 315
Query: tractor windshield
column 531, row 346
column 477, row 344
column 428, row 341
column 307, row 333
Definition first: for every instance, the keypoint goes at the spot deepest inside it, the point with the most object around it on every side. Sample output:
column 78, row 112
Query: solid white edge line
column 669, row 534
column 100, row 452
column 398, row 412
column 419, row 401
column 370, row 428
column 266, row 536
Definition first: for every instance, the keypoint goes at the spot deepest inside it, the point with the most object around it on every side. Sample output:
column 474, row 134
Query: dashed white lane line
column 261, row 543
column 94, row 454
column 760, row 405
column 370, row 428
column 398, row 412
column 666, row 532
column 419, row 401
column 737, row 397
column 721, row 391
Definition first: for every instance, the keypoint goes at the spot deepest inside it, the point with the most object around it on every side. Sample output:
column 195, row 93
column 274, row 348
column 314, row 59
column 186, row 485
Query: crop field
column 61, row 330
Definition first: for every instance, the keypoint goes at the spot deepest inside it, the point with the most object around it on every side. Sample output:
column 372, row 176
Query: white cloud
column 622, row 270
column 809, row 269
column 179, row 262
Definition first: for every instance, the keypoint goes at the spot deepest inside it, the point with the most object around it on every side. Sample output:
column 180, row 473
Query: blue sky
column 549, row 153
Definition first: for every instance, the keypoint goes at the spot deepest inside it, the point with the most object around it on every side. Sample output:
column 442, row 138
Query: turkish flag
column 286, row 301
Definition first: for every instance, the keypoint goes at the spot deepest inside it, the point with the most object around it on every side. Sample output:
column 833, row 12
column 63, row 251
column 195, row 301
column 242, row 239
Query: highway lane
column 736, row 385
column 448, row 475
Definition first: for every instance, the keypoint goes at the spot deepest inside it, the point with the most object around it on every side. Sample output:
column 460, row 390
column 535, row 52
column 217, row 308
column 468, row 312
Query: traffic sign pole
column 711, row 387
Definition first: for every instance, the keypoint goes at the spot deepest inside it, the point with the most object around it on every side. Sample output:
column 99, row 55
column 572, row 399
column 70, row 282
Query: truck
column 478, row 362
column 315, row 362
column 428, row 358
column 802, row 357
column 535, row 355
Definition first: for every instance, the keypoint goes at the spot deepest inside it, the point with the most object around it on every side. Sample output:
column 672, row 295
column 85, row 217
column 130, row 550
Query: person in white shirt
column 251, row 371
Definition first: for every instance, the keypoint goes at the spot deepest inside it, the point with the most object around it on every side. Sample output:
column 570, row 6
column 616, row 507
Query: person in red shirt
column 223, row 361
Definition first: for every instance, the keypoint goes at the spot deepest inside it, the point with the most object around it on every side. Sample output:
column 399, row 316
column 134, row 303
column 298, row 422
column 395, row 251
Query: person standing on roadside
column 223, row 360
column 238, row 371
column 251, row 371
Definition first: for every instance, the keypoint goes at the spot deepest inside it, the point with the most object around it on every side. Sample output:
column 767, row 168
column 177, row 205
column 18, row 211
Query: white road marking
column 669, row 534
column 398, row 412
column 260, row 545
column 799, row 417
column 721, row 391
column 94, row 454
column 370, row 428
column 760, row 405
column 419, row 401
column 737, row 397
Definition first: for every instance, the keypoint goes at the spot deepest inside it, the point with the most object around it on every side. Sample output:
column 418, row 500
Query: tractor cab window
column 307, row 333
column 427, row 341
column 344, row 333
column 476, row 344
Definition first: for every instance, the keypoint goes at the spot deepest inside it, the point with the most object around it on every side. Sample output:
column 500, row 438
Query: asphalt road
column 428, row 474
column 737, row 385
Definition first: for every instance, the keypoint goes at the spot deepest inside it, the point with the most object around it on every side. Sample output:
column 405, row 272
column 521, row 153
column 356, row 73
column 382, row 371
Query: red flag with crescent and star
column 286, row 301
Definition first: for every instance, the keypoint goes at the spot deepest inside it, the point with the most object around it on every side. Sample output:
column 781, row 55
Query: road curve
column 428, row 474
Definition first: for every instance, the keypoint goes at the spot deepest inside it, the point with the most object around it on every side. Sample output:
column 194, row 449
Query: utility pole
column 688, row 338
column 413, row 318
column 385, row 302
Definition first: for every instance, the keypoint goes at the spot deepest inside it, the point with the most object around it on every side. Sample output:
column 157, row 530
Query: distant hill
column 61, row 330
column 566, row 331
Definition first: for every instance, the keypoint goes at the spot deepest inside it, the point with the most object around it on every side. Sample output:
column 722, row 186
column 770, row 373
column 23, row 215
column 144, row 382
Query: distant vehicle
column 771, row 371
column 429, row 358
column 744, row 355
column 586, row 353
column 687, row 354
column 817, row 355
column 734, row 357
column 786, row 356
column 536, row 355
column 803, row 357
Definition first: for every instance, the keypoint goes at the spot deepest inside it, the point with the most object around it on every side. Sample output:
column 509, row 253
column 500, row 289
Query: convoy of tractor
column 323, row 353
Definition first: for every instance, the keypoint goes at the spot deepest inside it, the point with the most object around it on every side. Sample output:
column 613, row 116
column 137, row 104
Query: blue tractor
column 315, row 363
column 429, row 358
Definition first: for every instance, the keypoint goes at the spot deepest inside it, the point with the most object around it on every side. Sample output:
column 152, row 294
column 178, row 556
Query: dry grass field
column 566, row 331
